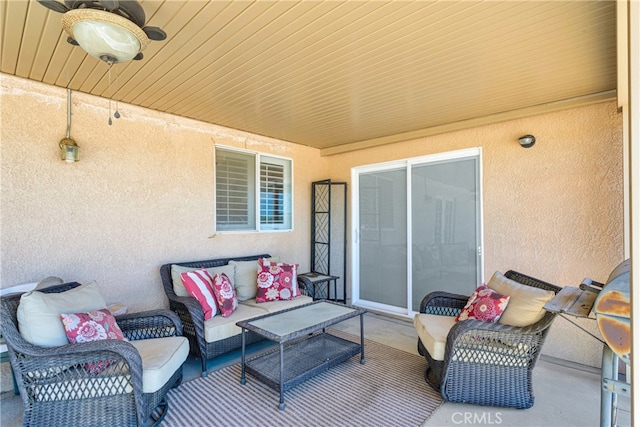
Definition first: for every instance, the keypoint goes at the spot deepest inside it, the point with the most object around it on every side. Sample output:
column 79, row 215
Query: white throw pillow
column 39, row 313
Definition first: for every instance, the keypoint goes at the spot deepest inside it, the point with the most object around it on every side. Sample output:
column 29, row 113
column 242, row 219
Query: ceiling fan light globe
column 104, row 35
column 100, row 40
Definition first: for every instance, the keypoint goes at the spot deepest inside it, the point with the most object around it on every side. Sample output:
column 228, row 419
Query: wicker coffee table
column 305, row 348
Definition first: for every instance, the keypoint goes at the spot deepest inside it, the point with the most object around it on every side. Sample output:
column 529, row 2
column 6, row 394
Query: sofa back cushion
column 526, row 303
column 245, row 280
column 178, row 284
column 246, row 277
column 39, row 313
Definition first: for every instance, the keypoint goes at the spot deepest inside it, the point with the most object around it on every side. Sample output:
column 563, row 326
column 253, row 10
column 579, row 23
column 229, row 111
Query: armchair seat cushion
column 161, row 358
column 432, row 330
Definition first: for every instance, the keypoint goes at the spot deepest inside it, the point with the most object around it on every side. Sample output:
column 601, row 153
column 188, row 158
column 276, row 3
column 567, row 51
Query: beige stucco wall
column 141, row 195
column 553, row 211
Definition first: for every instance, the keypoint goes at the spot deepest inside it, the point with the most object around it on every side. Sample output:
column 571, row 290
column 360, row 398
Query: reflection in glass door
column 418, row 230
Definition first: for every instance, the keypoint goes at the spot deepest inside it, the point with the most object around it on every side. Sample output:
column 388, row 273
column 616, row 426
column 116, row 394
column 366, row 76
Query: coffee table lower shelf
column 301, row 360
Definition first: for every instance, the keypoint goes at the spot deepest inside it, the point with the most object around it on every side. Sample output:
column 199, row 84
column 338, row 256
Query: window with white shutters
column 238, row 175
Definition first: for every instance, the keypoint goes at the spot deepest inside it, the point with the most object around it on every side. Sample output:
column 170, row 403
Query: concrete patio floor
column 566, row 394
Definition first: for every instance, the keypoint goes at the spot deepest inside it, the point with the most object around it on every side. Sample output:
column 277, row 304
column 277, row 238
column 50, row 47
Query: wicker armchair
column 57, row 390
column 192, row 316
column 486, row 363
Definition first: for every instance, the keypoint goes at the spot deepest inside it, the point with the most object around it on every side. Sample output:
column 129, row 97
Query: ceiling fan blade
column 72, row 41
column 109, row 5
column 138, row 57
column 132, row 10
column 75, row 4
column 154, row 33
column 54, row 5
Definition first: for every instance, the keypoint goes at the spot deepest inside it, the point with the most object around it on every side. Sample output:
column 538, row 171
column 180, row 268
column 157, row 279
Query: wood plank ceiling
column 337, row 74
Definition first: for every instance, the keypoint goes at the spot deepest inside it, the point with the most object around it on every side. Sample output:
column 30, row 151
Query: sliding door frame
column 355, row 221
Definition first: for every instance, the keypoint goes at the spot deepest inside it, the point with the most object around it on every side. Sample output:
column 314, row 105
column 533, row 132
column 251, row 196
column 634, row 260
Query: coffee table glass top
column 298, row 319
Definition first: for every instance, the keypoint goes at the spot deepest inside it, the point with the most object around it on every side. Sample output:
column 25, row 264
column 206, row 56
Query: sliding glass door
column 383, row 237
column 417, row 229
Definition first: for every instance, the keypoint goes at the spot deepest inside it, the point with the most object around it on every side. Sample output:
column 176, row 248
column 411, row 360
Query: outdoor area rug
column 388, row 390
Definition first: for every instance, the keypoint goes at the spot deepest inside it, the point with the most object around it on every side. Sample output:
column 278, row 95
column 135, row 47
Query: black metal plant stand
column 328, row 241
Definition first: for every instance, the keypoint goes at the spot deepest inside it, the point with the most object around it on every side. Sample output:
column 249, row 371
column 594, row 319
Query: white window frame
column 255, row 224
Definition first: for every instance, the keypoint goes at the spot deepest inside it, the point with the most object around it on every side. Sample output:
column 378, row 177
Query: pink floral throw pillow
column 277, row 281
column 225, row 294
column 484, row 304
column 92, row 326
column 199, row 284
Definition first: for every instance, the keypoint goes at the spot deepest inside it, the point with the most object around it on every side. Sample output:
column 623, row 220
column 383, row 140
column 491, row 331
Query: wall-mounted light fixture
column 527, row 141
column 69, row 150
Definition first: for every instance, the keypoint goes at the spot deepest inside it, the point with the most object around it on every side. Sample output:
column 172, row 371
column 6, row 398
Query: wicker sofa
column 220, row 335
column 58, row 389
column 477, row 362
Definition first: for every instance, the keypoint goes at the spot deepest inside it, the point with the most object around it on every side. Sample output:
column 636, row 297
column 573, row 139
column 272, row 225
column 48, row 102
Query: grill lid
column 613, row 311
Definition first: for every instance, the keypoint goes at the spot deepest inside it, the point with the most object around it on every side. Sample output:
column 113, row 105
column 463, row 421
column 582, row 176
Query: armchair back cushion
column 39, row 313
column 526, row 303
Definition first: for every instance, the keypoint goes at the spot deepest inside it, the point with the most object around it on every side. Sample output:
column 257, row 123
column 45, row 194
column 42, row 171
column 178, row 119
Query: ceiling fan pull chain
column 117, row 113
column 110, row 94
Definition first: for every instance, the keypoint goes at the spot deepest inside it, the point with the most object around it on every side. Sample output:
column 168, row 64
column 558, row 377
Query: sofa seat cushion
column 220, row 328
column 161, row 358
column 275, row 306
column 432, row 330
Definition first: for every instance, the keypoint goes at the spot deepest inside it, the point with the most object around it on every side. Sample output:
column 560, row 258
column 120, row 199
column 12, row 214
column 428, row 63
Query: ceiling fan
column 113, row 31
